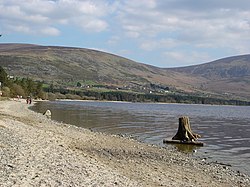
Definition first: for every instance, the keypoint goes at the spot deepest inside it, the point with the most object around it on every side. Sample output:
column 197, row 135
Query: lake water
column 225, row 130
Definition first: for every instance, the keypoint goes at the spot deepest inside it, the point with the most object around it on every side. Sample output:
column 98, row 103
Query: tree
column 6, row 91
column 3, row 76
column 39, row 90
column 51, row 88
column 78, row 84
column 17, row 90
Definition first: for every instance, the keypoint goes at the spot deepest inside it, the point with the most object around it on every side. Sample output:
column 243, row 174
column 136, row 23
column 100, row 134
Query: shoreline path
column 36, row 151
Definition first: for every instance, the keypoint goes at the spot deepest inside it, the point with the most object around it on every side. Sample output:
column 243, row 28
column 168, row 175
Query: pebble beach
column 37, row 151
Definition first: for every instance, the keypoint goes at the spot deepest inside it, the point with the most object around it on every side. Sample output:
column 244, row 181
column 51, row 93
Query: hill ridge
column 65, row 66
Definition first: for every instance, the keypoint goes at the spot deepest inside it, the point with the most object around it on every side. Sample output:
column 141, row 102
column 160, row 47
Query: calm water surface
column 225, row 130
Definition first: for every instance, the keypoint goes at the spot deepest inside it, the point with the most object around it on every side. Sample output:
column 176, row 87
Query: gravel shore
column 36, row 151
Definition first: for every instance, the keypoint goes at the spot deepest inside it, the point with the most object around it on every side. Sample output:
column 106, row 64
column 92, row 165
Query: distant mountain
column 65, row 66
column 226, row 76
column 231, row 67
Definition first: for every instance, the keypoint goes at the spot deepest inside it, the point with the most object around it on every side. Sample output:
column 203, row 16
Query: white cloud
column 174, row 25
column 185, row 24
column 91, row 25
column 152, row 25
column 173, row 58
column 20, row 28
column 176, row 56
column 168, row 43
column 114, row 40
column 47, row 14
column 50, row 31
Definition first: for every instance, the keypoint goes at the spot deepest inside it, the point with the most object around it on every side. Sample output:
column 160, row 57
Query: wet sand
column 36, row 151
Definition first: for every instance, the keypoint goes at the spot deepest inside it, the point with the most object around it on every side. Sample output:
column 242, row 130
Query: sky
column 162, row 33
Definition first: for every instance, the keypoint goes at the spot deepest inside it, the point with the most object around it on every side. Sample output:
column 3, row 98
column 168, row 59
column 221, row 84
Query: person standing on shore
column 28, row 100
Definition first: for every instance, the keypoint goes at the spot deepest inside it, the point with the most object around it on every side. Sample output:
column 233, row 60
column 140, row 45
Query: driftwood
column 183, row 142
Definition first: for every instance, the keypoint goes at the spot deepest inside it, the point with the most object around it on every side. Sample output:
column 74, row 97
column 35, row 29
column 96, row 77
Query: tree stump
column 184, row 132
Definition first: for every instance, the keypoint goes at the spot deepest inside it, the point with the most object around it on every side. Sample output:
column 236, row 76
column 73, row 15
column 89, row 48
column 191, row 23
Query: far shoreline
column 157, row 103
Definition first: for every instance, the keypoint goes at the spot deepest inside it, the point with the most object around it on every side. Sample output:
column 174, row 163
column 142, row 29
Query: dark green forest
column 140, row 97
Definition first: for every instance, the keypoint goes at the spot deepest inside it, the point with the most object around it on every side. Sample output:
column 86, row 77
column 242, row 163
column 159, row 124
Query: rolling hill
column 65, row 66
column 227, row 76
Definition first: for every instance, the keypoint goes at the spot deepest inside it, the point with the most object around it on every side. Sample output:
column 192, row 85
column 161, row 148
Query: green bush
column 60, row 96
column 17, row 90
column 6, row 91
column 74, row 97
column 51, row 96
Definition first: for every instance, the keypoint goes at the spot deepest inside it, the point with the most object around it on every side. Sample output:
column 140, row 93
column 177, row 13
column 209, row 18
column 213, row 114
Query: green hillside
column 67, row 67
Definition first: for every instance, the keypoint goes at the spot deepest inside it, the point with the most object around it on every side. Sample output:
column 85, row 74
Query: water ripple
column 224, row 129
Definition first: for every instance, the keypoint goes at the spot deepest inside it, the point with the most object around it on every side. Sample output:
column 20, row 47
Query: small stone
column 9, row 165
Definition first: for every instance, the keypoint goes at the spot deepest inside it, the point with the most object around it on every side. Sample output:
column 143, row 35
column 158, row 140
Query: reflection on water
column 186, row 148
column 224, row 129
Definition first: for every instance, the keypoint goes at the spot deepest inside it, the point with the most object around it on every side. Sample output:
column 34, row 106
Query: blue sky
column 163, row 33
